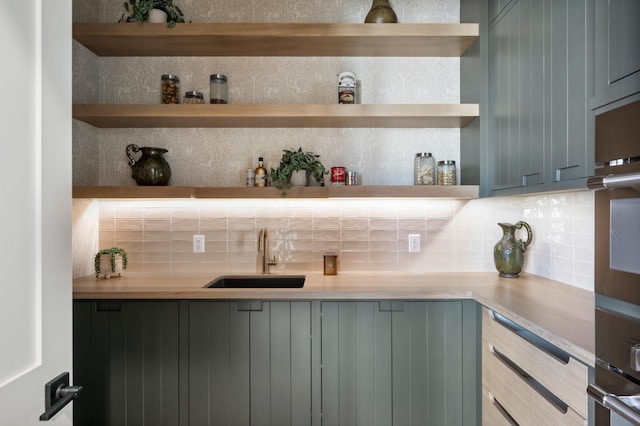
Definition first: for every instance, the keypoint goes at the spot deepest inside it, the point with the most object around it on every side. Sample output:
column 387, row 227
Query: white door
column 35, row 206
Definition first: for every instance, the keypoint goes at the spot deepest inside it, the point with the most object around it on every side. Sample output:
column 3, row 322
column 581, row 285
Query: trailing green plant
column 112, row 252
column 138, row 11
column 293, row 161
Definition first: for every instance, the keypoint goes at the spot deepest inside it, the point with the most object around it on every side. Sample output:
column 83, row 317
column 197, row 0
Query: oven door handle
column 615, row 403
column 622, row 180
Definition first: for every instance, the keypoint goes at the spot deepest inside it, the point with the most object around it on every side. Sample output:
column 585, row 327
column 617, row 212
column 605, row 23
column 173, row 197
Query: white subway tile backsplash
column 367, row 235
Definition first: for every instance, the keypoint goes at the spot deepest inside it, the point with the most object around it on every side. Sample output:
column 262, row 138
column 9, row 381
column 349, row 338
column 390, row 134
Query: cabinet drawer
column 566, row 378
column 493, row 414
column 520, row 399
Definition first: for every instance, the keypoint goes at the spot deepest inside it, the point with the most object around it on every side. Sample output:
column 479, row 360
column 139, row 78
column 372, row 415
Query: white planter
column 299, row 178
column 157, row 16
column 105, row 266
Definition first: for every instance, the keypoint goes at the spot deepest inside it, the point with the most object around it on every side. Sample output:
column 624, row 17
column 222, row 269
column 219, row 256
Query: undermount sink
column 257, row 281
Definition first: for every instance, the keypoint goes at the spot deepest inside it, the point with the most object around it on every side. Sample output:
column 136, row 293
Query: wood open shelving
column 360, row 191
column 277, row 115
column 279, row 39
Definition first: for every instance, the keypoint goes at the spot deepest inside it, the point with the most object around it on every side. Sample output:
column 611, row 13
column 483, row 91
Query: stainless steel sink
column 257, row 281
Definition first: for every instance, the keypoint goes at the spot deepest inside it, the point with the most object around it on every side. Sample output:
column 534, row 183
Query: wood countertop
column 557, row 312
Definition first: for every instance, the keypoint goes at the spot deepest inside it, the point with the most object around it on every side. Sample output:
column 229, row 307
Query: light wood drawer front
column 519, row 399
column 491, row 415
column 567, row 381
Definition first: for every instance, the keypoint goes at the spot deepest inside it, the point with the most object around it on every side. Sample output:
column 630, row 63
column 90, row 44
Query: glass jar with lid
column 219, row 89
column 193, row 97
column 424, row 169
column 170, row 89
column 446, row 172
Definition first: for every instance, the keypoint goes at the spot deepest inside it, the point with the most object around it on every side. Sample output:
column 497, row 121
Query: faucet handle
column 272, row 261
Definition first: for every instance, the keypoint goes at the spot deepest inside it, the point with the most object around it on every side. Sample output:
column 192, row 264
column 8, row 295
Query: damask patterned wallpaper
column 220, row 157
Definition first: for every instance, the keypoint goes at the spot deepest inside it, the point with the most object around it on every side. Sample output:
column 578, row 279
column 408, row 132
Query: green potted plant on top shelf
column 139, row 11
column 110, row 261
column 295, row 161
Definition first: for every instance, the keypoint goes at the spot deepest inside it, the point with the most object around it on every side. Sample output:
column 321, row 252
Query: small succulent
column 138, row 11
column 111, row 251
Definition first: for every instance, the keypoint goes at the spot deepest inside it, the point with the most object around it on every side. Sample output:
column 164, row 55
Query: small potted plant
column 142, row 10
column 110, row 261
column 295, row 161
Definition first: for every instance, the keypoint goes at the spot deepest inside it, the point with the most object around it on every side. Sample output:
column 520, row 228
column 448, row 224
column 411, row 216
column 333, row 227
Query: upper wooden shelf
column 277, row 115
column 401, row 40
column 360, row 191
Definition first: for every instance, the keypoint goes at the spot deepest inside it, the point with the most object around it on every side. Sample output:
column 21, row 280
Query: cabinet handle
column 249, row 305
column 391, row 306
column 525, row 179
column 536, row 341
column 533, row 383
column 615, row 403
column 502, row 410
column 560, row 171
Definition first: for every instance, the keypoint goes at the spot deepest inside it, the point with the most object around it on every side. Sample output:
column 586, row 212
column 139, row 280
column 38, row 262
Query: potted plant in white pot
column 292, row 162
column 111, row 261
column 152, row 11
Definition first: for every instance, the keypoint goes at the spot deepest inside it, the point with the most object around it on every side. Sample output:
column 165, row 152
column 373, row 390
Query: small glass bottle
column 193, row 97
column 424, row 169
column 219, row 89
column 170, row 89
column 446, row 172
column 261, row 173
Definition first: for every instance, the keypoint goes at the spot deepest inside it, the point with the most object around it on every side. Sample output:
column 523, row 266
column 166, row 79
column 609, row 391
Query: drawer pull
column 536, row 341
column 533, row 383
column 503, row 411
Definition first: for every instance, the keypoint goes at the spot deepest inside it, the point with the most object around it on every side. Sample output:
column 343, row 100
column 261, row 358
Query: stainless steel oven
column 617, row 266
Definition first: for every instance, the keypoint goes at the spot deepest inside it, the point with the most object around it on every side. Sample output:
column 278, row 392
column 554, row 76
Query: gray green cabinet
column 277, row 362
column 400, row 363
column 126, row 355
column 532, row 74
column 249, row 363
column 617, row 56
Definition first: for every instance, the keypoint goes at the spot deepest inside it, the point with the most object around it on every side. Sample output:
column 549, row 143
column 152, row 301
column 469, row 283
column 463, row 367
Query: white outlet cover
column 198, row 243
column 414, row 243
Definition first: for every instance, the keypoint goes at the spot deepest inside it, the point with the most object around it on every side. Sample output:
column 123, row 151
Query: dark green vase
column 508, row 253
column 381, row 13
column 151, row 169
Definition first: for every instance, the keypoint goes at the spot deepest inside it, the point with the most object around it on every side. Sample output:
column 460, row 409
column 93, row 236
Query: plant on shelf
column 294, row 161
column 138, row 11
column 116, row 255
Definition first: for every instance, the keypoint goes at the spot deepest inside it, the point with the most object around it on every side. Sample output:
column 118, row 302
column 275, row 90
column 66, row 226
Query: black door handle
column 57, row 394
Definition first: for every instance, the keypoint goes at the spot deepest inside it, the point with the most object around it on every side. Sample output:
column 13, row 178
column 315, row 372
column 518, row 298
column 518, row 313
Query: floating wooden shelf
column 277, row 115
column 399, row 40
column 361, row 191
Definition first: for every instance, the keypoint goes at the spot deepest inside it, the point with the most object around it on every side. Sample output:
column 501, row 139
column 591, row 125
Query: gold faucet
column 263, row 246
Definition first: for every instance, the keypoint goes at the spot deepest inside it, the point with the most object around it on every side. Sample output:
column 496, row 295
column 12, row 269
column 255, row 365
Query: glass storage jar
column 446, row 172
column 170, row 89
column 219, row 89
column 193, row 97
column 424, row 169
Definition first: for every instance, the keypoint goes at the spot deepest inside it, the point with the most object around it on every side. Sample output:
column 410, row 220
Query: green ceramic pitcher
column 508, row 253
column 151, row 168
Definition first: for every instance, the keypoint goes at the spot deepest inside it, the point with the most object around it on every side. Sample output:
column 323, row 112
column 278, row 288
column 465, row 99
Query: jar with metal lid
column 193, row 97
column 219, row 89
column 170, row 89
column 424, row 169
column 446, row 172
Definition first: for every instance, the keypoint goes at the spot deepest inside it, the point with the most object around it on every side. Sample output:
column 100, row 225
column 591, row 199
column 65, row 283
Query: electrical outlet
column 198, row 243
column 414, row 243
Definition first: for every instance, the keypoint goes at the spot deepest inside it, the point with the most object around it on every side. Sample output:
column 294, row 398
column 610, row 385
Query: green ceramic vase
column 151, row 169
column 381, row 13
column 508, row 253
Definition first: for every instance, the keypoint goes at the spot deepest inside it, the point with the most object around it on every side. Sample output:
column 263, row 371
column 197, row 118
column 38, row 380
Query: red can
column 338, row 175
